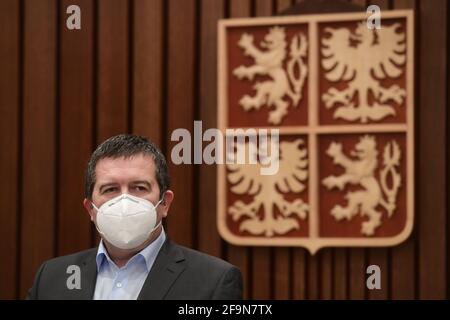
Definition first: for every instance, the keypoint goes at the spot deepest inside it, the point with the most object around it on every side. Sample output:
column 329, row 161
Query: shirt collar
column 149, row 253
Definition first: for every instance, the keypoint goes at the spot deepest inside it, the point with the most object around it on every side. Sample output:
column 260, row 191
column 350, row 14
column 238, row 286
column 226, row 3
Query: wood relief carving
column 361, row 171
column 341, row 96
column 362, row 58
column 269, row 62
column 267, row 192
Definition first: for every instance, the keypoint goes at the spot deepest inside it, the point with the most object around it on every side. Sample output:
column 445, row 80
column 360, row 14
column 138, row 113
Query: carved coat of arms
column 340, row 97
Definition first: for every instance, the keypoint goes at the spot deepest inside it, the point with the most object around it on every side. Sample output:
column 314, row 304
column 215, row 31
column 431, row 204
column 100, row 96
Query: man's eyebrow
column 107, row 185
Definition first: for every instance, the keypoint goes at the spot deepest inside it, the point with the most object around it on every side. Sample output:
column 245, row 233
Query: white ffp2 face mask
column 126, row 221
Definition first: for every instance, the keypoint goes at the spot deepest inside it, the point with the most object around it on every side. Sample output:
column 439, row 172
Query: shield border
column 313, row 242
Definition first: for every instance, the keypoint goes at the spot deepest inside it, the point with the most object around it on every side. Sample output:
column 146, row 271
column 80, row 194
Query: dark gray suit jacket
column 178, row 273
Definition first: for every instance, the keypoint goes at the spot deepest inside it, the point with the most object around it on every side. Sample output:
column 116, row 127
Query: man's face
column 134, row 175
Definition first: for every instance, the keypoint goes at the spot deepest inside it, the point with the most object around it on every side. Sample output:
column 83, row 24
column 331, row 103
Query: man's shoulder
column 204, row 276
column 76, row 258
column 51, row 278
column 202, row 260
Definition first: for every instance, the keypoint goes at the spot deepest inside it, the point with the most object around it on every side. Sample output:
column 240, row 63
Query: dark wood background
column 149, row 67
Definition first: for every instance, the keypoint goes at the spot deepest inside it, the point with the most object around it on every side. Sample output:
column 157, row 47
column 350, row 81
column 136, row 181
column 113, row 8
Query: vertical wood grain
column 431, row 143
column 75, row 127
column 147, row 51
column 403, row 267
column 39, row 129
column 180, row 112
column 208, row 237
column 9, row 143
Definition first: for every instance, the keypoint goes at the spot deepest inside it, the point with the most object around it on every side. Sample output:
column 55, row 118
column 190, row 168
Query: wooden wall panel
column 208, row 237
column 299, row 286
column 326, row 274
column 10, row 109
column 180, row 111
column 357, row 274
column 39, row 135
column 76, row 99
column 312, row 276
column 403, row 266
column 113, row 73
column 149, row 67
column 240, row 8
column 432, row 187
column 112, row 78
column 340, row 275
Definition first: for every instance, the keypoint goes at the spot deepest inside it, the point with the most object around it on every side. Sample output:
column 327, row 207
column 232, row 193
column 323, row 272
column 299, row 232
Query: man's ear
column 167, row 201
column 89, row 208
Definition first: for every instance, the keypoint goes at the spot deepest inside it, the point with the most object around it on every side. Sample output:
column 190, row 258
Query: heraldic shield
column 340, row 95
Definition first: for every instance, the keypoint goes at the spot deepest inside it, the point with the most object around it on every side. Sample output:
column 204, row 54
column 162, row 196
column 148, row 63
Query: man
column 126, row 196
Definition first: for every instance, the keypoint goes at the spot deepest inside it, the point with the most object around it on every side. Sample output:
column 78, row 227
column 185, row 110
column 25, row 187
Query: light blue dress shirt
column 114, row 283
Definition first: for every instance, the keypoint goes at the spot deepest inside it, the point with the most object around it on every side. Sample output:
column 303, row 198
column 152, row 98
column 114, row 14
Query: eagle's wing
column 245, row 178
column 293, row 167
column 389, row 54
column 338, row 57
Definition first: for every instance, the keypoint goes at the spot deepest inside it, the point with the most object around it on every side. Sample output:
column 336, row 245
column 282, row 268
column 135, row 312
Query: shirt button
column 119, row 284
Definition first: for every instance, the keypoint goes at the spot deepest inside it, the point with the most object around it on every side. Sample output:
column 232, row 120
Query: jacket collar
column 88, row 277
column 168, row 266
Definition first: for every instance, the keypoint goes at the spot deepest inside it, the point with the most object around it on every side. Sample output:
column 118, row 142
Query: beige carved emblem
column 361, row 171
column 375, row 55
column 341, row 97
column 247, row 180
column 270, row 62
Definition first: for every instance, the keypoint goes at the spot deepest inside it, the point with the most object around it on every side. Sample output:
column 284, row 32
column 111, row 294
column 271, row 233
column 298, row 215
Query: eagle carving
column 267, row 191
column 363, row 58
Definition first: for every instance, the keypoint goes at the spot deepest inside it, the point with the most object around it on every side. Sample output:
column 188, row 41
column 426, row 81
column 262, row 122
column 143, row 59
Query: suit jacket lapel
column 169, row 264
column 88, row 278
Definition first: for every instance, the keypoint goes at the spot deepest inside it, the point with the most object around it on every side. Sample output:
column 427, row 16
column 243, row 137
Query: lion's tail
column 391, row 160
column 298, row 51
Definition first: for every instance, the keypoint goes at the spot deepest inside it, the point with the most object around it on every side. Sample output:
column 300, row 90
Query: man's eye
column 108, row 190
column 140, row 188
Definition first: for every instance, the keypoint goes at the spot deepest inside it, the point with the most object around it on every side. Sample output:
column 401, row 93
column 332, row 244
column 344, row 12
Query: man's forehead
column 141, row 165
